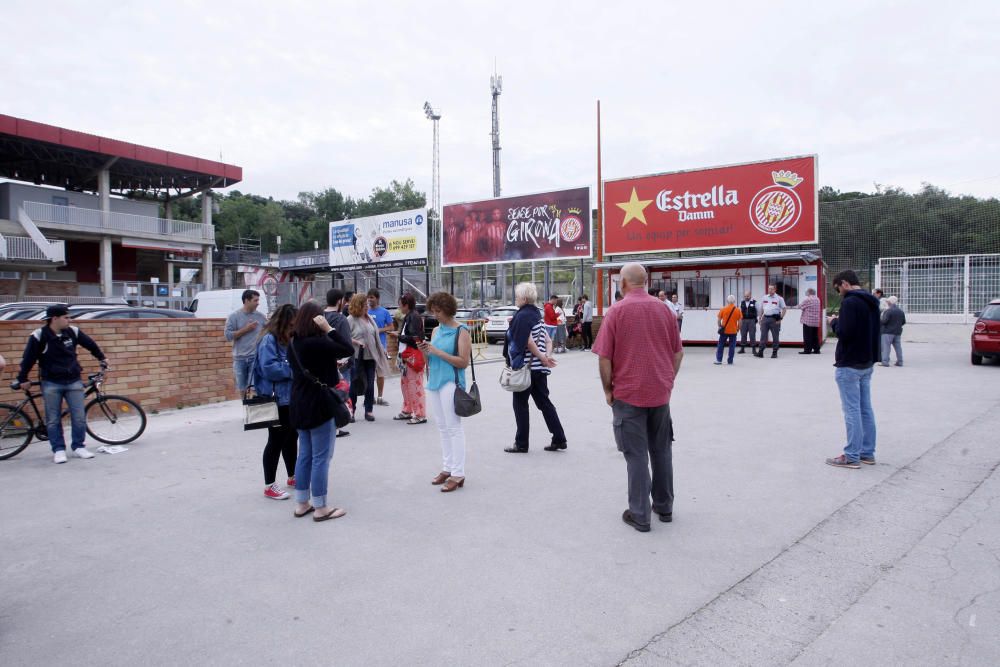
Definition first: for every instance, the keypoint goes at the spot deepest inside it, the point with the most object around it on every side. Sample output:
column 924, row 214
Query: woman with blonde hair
column 448, row 353
column 528, row 343
column 369, row 354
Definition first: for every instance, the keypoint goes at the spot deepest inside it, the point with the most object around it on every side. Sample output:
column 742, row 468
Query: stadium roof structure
column 49, row 155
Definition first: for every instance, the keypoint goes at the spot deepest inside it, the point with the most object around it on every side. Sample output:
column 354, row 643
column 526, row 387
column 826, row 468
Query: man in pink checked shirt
column 811, row 319
column 640, row 352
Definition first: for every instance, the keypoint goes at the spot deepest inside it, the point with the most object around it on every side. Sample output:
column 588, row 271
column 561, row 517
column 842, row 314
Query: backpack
column 74, row 334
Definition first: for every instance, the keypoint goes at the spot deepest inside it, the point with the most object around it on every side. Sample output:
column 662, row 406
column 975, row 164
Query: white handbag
column 515, row 380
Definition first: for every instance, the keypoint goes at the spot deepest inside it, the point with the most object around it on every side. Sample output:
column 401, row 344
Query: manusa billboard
column 760, row 203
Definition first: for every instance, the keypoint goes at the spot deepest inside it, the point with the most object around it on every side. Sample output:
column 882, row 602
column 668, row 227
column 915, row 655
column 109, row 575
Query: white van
column 222, row 303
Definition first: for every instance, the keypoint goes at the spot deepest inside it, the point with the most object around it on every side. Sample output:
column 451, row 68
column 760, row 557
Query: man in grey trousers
column 638, row 368
column 242, row 330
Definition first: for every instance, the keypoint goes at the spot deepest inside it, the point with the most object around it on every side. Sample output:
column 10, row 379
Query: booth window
column 787, row 288
column 736, row 286
column 697, row 292
column 667, row 285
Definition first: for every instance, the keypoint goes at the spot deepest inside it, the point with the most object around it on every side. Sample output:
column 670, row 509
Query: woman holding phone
column 448, row 353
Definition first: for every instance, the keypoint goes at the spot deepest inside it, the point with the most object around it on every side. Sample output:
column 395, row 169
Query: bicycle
column 111, row 419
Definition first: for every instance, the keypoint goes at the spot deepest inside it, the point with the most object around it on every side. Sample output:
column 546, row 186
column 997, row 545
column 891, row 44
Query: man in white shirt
column 588, row 322
column 772, row 309
column 678, row 310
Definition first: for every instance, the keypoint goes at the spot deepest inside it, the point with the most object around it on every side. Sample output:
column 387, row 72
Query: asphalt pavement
column 169, row 553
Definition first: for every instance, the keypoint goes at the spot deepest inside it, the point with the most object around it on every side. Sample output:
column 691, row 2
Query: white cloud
column 311, row 95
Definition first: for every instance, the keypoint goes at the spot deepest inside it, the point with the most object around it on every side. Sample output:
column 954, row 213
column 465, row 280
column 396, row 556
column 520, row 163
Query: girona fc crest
column 570, row 228
column 777, row 208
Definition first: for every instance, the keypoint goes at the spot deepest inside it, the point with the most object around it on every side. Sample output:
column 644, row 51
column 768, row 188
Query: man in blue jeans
column 54, row 348
column 857, row 329
column 242, row 330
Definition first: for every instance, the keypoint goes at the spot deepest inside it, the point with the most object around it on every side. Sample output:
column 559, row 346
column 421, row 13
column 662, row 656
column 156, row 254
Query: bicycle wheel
column 15, row 431
column 115, row 420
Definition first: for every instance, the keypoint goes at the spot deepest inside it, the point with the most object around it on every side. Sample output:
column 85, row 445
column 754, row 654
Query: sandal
column 417, row 420
column 452, row 484
column 403, row 416
column 336, row 513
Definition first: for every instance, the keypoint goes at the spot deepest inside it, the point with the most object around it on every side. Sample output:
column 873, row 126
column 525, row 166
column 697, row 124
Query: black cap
column 56, row 310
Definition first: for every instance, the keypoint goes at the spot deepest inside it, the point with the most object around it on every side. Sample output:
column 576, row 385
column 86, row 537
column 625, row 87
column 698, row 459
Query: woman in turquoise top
column 448, row 354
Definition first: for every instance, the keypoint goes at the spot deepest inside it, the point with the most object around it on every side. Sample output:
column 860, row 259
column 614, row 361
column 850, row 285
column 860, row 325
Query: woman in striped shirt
column 527, row 342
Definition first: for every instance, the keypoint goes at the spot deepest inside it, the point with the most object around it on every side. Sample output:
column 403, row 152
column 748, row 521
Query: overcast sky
column 309, row 95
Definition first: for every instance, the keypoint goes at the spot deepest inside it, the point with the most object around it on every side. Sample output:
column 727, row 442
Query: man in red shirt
column 638, row 377
column 551, row 319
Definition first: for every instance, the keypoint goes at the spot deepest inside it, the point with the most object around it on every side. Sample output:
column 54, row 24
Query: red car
column 986, row 333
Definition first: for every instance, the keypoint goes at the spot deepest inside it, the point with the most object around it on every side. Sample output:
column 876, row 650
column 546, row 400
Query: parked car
column 986, row 333
column 477, row 315
column 499, row 320
column 222, row 303
column 36, row 312
column 135, row 314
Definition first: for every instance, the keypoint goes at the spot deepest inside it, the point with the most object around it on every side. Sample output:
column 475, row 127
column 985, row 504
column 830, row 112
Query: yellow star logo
column 634, row 208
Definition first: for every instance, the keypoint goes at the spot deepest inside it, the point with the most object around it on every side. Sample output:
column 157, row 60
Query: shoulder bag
column 722, row 329
column 516, row 380
column 467, row 403
column 258, row 411
column 337, row 398
column 412, row 357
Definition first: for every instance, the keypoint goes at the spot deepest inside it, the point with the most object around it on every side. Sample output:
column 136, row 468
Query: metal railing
column 24, row 248
column 120, row 222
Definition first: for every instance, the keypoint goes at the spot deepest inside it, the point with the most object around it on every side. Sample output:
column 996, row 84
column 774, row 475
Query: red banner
column 551, row 225
column 756, row 204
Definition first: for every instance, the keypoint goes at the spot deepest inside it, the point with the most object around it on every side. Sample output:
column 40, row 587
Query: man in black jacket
column 857, row 329
column 338, row 321
column 53, row 347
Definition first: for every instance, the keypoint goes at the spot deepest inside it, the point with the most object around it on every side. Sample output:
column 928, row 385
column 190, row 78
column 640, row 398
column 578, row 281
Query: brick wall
column 162, row 364
column 41, row 287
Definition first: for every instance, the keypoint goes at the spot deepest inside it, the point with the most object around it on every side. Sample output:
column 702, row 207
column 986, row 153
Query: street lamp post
column 435, row 230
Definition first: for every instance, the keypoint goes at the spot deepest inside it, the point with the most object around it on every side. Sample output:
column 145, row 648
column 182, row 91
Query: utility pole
column 496, row 87
column 434, row 226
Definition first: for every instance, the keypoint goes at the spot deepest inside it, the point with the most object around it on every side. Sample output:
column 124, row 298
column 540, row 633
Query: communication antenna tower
column 496, row 87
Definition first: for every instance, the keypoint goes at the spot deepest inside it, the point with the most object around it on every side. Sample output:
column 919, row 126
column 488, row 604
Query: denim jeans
column 856, row 400
column 895, row 342
column 242, row 366
column 312, row 468
column 53, row 394
column 724, row 340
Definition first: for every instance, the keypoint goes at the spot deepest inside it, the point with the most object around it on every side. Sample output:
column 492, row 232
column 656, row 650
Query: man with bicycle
column 53, row 347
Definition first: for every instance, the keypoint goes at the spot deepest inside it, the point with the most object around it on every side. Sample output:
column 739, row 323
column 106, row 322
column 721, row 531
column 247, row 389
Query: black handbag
column 467, row 403
column 336, row 399
column 359, row 381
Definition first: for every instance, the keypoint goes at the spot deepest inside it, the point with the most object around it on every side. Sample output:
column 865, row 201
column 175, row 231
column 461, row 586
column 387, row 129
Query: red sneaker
column 290, row 483
column 276, row 493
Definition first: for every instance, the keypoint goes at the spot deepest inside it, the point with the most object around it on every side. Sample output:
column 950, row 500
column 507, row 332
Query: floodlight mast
column 435, row 225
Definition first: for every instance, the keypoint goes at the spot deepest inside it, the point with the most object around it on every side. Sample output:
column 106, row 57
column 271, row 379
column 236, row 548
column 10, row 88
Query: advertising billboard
column 550, row 225
column 388, row 241
column 756, row 204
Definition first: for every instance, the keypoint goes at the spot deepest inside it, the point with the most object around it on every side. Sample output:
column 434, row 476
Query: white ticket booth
column 703, row 283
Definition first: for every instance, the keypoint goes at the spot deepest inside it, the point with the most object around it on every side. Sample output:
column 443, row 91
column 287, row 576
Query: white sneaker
column 83, row 453
column 59, row 456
